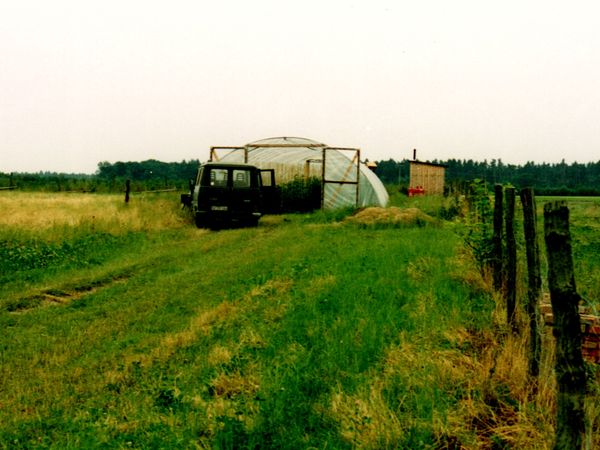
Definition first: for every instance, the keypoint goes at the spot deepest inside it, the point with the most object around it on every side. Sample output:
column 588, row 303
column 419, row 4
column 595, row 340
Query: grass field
column 585, row 230
column 126, row 327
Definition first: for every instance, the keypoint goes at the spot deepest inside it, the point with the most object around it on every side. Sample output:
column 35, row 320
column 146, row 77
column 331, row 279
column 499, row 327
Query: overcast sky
column 117, row 80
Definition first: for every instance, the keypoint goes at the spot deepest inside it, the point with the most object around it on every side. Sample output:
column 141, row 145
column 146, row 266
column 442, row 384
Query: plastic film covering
column 293, row 157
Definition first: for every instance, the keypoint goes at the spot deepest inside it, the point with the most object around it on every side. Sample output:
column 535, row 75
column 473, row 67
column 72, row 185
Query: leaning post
column 497, row 238
column 534, row 279
column 511, row 260
column 570, row 370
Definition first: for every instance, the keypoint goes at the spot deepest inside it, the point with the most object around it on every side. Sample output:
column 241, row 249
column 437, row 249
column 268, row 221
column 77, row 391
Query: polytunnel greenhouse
column 346, row 181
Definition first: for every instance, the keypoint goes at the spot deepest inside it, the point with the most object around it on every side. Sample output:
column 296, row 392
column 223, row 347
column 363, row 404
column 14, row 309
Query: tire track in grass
column 89, row 380
column 66, row 293
column 231, row 385
column 201, row 326
column 236, row 404
column 63, row 295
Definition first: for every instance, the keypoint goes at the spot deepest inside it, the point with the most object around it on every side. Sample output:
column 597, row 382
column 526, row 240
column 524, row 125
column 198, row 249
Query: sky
column 83, row 82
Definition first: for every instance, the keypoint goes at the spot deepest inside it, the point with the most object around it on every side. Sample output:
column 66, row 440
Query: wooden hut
column 426, row 178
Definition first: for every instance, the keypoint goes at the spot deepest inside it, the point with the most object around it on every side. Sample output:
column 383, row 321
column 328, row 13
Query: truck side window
column 265, row 178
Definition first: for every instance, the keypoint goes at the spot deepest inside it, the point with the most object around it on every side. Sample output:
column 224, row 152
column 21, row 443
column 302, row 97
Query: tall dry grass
column 497, row 405
column 51, row 214
column 517, row 410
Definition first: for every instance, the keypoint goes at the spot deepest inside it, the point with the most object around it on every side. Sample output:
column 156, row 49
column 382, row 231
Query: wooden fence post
column 497, row 238
column 534, row 279
column 127, row 190
column 511, row 260
column 570, row 371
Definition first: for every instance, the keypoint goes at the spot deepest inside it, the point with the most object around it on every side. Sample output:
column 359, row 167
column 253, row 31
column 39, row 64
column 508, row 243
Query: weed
column 478, row 230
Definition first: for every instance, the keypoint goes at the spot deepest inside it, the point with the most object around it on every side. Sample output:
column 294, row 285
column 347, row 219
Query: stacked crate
column 590, row 329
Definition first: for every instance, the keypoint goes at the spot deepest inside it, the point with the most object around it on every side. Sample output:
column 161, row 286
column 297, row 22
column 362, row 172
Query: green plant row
column 18, row 256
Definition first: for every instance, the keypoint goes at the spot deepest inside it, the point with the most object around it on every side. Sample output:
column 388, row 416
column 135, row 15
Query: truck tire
column 252, row 222
column 200, row 221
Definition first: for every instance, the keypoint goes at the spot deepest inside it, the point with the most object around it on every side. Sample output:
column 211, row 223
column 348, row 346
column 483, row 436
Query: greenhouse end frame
column 348, row 178
column 344, row 181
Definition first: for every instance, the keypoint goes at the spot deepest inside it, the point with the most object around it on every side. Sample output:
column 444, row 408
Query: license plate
column 218, row 208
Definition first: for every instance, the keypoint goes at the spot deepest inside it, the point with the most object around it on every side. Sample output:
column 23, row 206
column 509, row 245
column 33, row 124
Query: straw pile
column 392, row 217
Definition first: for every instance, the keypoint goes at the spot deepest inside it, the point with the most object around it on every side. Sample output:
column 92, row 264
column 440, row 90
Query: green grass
column 305, row 332
column 247, row 338
column 584, row 218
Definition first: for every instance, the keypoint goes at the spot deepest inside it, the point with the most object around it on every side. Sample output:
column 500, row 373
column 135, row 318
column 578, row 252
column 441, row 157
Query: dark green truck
column 225, row 194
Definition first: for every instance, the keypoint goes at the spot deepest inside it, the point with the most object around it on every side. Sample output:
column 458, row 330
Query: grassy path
column 292, row 335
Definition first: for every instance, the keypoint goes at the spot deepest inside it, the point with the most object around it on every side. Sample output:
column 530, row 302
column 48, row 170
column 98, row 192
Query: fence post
column 127, row 190
column 497, row 238
column 534, row 279
column 570, row 371
column 511, row 259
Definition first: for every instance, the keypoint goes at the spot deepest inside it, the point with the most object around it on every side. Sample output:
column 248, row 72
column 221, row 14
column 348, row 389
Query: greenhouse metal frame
column 345, row 180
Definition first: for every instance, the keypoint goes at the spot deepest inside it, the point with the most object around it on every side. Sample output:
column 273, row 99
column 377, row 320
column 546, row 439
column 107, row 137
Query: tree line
column 547, row 179
column 109, row 177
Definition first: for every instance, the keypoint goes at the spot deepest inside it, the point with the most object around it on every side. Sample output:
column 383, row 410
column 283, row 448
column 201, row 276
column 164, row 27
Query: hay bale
column 390, row 217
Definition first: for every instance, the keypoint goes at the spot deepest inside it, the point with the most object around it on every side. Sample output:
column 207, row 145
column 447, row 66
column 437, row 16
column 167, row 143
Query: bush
column 301, row 195
column 478, row 231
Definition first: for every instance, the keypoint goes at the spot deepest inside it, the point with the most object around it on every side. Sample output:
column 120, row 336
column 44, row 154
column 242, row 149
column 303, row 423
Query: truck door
column 219, row 194
column 270, row 192
column 244, row 192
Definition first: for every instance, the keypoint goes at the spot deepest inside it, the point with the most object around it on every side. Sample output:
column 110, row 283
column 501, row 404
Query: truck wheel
column 200, row 221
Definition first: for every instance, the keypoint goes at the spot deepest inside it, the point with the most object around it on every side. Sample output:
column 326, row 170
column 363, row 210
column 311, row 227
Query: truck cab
column 230, row 194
